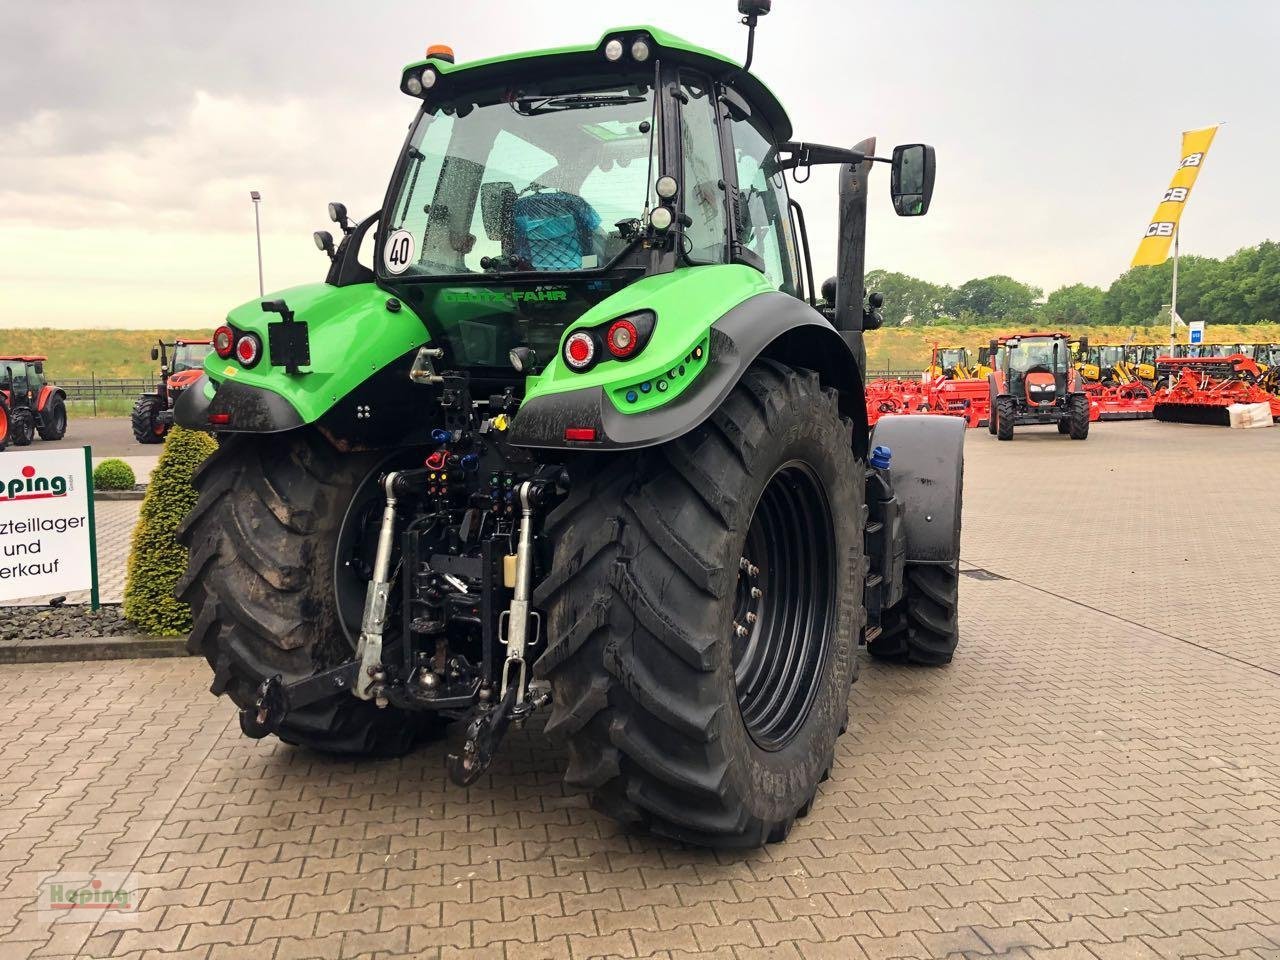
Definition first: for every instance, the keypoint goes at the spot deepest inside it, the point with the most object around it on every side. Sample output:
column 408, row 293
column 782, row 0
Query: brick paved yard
column 1097, row 775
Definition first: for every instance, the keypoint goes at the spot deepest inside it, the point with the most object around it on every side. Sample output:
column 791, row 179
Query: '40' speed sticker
column 397, row 254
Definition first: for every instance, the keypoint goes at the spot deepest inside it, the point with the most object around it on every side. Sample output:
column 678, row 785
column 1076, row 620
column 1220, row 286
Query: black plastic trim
column 252, row 409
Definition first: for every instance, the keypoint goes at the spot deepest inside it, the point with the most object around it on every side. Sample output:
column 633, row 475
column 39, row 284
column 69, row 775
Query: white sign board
column 46, row 523
column 1196, row 330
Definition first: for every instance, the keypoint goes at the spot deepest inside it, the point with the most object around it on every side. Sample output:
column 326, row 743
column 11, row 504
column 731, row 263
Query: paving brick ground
column 1097, row 775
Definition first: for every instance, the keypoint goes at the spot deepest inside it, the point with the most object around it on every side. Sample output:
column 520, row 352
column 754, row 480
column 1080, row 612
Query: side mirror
column 155, row 353
column 1084, row 345
column 911, row 179
column 324, row 242
column 993, row 347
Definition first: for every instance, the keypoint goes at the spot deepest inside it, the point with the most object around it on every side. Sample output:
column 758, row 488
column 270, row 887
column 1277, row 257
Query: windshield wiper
column 533, row 106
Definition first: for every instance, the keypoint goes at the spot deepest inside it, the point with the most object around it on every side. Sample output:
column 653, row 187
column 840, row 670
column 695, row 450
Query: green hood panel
column 352, row 335
column 686, row 301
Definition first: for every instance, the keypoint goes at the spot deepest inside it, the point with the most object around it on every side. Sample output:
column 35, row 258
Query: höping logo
column 30, row 487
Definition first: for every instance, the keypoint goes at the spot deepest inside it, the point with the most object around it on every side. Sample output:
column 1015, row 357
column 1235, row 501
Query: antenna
column 752, row 11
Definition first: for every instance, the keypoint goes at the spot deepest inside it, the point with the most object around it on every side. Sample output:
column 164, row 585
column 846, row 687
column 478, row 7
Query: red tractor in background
column 29, row 404
column 153, row 412
column 1035, row 381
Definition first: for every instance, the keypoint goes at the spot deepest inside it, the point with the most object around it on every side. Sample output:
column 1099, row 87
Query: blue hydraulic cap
column 880, row 458
column 441, row 436
column 470, row 461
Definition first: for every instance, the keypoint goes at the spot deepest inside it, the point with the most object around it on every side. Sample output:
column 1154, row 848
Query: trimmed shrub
column 157, row 560
column 113, row 475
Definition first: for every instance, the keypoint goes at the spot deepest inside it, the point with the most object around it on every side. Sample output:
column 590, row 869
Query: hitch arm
column 276, row 698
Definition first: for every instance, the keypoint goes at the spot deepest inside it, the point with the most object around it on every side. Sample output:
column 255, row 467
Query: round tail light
column 224, row 342
column 248, row 350
column 622, row 338
column 579, row 350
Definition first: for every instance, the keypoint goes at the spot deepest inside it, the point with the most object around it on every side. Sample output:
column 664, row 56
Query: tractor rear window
column 535, row 183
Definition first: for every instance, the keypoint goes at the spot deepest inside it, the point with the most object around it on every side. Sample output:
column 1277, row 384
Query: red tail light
column 579, row 350
column 224, row 341
column 622, row 338
column 580, row 433
column 219, row 419
column 248, row 350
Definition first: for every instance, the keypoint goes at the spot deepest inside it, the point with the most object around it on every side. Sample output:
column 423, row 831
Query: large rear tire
column 677, row 722
column 143, row 420
column 1006, row 412
column 4, row 424
column 53, row 419
column 1078, row 423
column 924, row 627
column 264, row 541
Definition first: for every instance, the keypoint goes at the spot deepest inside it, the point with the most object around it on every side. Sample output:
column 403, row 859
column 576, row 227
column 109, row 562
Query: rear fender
column 927, row 472
column 766, row 324
column 46, row 392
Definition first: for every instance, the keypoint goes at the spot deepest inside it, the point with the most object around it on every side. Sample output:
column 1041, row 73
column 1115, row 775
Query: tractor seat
column 554, row 230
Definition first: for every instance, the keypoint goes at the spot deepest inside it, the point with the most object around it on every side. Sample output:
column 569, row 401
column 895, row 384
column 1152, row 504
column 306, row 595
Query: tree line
column 1242, row 288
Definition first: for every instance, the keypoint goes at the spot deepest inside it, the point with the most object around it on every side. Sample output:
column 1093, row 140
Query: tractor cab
column 1036, row 364
column 189, row 355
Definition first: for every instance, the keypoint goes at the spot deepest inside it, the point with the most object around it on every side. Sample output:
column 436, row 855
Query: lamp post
column 256, row 197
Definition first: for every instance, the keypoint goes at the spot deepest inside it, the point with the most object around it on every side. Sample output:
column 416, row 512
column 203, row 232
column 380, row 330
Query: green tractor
column 582, row 437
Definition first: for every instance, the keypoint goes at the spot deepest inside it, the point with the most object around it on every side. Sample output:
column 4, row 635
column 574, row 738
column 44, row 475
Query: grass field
column 127, row 353
column 103, row 353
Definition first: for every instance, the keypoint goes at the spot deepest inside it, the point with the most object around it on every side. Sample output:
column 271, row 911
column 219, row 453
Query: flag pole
column 1173, row 307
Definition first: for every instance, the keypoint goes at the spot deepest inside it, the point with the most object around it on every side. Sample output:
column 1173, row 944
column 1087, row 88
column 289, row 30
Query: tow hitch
column 372, row 674
column 276, row 698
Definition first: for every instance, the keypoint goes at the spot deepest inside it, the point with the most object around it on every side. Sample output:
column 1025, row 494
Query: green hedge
column 157, row 560
column 113, row 475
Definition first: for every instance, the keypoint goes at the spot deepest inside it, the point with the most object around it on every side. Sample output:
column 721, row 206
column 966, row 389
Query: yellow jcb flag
column 1154, row 247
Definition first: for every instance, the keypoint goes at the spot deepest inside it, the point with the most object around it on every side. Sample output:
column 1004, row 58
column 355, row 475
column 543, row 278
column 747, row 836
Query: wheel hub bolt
column 739, row 629
column 756, row 593
column 753, row 571
column 751, row 617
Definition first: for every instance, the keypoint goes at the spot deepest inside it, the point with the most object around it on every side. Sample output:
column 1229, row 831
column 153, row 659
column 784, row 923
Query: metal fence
column 96, row 387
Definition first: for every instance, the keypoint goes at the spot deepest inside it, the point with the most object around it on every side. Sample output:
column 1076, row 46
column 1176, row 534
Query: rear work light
column 224, row 341
column 248, row 350
column 580, row 350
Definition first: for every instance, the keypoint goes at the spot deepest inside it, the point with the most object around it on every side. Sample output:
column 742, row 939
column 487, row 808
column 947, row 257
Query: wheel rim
column 784, row 606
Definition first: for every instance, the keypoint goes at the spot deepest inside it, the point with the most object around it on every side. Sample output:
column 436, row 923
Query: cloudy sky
column 131, row 132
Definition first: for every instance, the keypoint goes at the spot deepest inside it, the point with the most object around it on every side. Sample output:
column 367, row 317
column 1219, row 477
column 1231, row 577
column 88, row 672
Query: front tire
column 22, row 427
column 923, row 627
column 143, row 420
column 1078, row 422
column 1006, row 413
column 53, row 421
column 677, row 722
column 263, row 541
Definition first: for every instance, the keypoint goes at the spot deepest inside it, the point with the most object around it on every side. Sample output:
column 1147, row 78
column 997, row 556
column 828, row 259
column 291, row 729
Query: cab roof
column 455, row 78
column 1041, row 335
column 27, row 359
